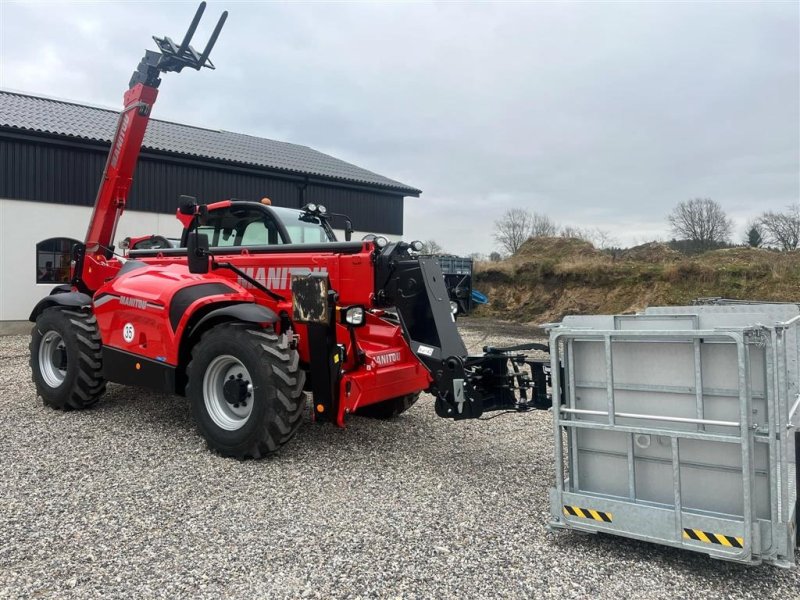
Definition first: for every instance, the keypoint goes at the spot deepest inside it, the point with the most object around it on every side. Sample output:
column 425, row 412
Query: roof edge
column 147, row 151
column 401, row 187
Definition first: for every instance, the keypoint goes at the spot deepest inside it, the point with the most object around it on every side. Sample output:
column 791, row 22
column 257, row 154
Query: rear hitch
column 467, row 388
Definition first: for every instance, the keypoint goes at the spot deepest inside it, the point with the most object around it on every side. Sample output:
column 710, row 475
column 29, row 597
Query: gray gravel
column 124, row 500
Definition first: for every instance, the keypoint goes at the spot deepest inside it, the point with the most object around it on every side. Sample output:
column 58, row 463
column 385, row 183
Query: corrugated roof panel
column 34, row 113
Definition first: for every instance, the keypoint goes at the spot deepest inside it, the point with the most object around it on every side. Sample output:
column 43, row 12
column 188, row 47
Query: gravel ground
column 124, row 500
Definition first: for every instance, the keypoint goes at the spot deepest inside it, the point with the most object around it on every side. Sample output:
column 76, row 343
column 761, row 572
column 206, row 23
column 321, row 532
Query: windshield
column 251, row 224
column 240, row 225
column 302, row 228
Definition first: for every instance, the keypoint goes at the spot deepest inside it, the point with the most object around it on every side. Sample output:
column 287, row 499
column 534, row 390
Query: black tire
column 389, row 409
column 275, row 381
column 76, row 340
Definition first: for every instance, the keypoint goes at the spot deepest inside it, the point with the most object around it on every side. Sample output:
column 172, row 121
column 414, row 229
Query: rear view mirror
column 187, row 205
column 197, row 251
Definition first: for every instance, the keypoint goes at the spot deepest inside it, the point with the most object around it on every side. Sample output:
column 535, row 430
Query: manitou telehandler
column 258, row 305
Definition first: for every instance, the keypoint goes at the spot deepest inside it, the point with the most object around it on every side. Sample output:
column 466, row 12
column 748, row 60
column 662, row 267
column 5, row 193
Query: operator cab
column 255, row 224
column 240, row 224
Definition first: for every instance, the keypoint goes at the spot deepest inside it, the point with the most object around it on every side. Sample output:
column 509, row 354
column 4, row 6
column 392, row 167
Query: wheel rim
column 53, row 359
column 221, row 406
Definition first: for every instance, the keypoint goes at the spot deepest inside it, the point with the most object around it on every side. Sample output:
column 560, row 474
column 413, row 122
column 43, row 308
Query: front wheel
column 388, row 409
column 66, row 359
column 246, row 390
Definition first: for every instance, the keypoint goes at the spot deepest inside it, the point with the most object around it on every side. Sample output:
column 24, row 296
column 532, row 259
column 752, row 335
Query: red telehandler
column 258, row 305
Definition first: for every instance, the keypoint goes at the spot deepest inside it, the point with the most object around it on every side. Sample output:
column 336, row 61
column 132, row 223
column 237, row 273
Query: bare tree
column 542, row 226
column 513, row 229
column 701, row 221
column 599, row 238
column 578, row 233
column 602, row 238
column 432, row 247
column 782, row 229
column 495, row 257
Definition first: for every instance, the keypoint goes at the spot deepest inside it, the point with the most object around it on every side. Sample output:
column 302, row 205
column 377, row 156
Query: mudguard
column 60, row 297
column 249, row 313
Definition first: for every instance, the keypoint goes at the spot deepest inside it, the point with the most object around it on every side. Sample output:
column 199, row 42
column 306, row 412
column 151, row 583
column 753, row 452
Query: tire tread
column 88, row 384
column 287, row 402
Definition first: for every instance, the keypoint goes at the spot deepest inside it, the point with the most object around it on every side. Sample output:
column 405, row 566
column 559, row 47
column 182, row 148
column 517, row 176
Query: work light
column 354, row 316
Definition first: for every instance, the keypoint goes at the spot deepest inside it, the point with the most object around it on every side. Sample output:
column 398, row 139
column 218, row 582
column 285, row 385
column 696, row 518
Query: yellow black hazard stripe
column 699, row 535
column 588, row 513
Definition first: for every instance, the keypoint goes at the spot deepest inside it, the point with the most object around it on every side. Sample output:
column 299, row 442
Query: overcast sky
column 598, row 115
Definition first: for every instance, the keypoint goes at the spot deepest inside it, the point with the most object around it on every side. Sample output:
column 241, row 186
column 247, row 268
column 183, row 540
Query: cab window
column 303, row 228
column 240, row 226
column 304, row 233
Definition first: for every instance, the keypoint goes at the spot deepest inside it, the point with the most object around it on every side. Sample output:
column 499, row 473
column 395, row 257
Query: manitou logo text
column 133, row 302
column 123, row 129
column 387, row 359
column 276, row 278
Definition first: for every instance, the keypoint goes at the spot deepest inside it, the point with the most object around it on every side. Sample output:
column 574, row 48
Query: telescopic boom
column 90, row 259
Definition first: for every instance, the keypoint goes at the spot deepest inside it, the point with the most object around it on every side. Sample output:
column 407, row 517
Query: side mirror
column 197, row 252
column 187, row 205
column 348, row 230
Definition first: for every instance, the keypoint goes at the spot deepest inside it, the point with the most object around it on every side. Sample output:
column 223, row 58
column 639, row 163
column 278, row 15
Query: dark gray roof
column 59, row 117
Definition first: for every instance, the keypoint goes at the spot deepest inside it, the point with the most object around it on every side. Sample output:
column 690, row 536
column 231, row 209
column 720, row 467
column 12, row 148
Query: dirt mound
column 554, row 248
column 747, row 256
column 652, row 252
column 552, row 277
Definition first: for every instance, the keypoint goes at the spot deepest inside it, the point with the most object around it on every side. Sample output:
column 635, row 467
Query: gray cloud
column 599, row 115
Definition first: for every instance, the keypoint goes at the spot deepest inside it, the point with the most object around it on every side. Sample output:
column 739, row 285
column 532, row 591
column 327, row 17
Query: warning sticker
column 588, row 513
column 698, row 535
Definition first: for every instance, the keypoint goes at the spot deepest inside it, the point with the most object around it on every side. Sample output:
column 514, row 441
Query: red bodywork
column 143, row 298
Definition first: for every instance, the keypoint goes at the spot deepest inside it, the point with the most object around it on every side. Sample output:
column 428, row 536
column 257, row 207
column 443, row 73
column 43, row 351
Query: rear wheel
column 246, row 390
column 389, row 409
column 66, row 359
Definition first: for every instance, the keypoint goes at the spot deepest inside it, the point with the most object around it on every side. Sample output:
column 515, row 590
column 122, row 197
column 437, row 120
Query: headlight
column 354, row 316
column 321, row 209
column 453, row 307
column 416, row 246
column 380, row 241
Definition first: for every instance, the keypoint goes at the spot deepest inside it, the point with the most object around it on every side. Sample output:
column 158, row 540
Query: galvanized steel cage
column 678, row 427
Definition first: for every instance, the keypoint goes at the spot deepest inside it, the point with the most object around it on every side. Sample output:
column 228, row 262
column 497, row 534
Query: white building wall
column 23, row 224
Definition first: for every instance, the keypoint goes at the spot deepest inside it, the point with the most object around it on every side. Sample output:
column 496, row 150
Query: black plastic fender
column 247, row 312
column 60, row 297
